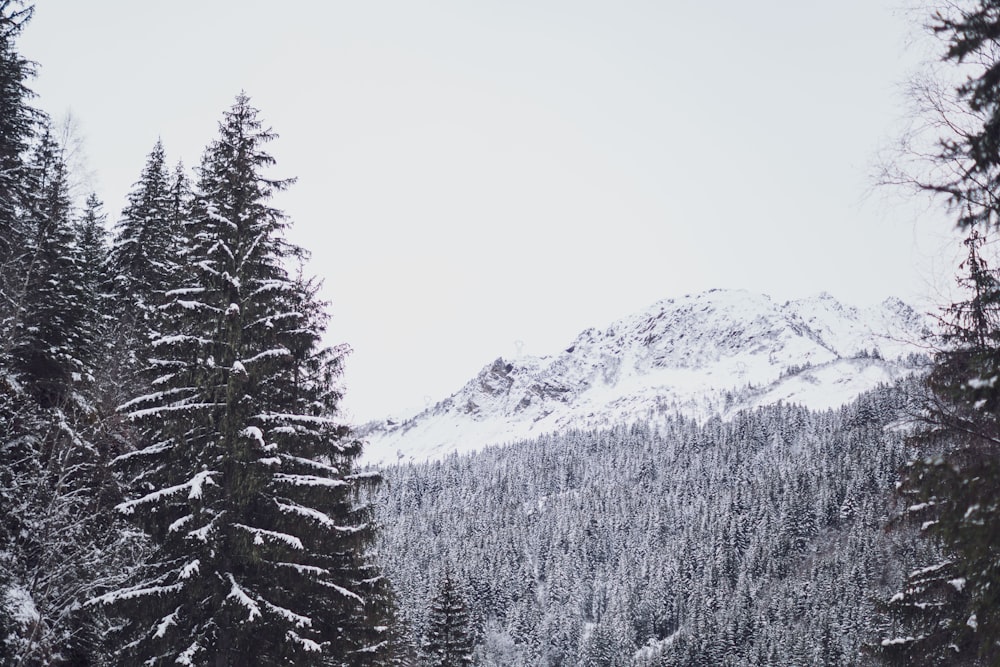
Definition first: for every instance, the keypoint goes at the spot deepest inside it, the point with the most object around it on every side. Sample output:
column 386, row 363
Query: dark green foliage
column 60, row 546
column 18, row 122
column 53, row 343
column 949, row 611
column 144, row 259
column 245, row 478
column 448, row 641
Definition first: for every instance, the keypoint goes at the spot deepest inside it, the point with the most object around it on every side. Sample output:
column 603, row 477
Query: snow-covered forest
column 177, row 485
column 758, row 541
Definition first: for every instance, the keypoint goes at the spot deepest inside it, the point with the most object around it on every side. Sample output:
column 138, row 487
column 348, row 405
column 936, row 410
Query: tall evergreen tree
column 144, row 256
column 448, row 641
column 245, row 479
column 143, row 265
column 18, row 122
column 92, row 239
column 52, row 342
column 53, row 554
column 17, row 127
column 950, row 609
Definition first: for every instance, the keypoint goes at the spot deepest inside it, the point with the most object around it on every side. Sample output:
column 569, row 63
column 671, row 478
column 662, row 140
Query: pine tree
column 52, row 342
column 245, row 479
column 54, row 554
column 93, row 250
column 17, row 127
column 448, row 641
column 144, row 256
column 18, row 122
column 950, row 609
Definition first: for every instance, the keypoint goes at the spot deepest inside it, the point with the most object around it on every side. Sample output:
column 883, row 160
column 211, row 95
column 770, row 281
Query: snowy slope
column 713, row 352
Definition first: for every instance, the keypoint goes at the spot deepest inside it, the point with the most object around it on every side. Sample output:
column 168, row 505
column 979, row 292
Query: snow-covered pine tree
column 18, row 121
column 142, row 266
column 93, row 249
column 179, row 207
column 53, row 556
column 17, row 127
column 448, row 641
column 52, row 342
column 949, row 610
column 95, row 281
column 245, row 479
column 143, row 258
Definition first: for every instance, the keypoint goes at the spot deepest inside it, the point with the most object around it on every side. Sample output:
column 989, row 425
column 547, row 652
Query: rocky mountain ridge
column 699, row 355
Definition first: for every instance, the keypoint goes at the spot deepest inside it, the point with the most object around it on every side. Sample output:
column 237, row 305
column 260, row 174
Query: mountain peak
column 691, row 354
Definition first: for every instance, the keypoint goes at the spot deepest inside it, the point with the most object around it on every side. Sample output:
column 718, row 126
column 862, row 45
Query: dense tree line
column 757, row 541
column 175, row 484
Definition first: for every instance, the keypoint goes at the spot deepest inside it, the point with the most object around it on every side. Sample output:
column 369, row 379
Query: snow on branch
column 299, row 419
column 930, row 570
column 311, row 463
column 240, row 596
column 265, row 286
column 190, row 568
column 165, row 623
column 255, row 434
column 305, row 569
column 307, row 512
column 179, row 523
column 202, row 533
column 193, row 486
column 373, row 648
column 260, row 533
column 194, row 305
column 901, row 640
column 305, row 643
column 155, row 396
column 308, row 480
column 268, row 354
column 187, row 657
column 152, row 412
column 151, row 450
column 299, row 620
column 132, row 593
column 343, row 591
column 185, row 291
column 180, row 338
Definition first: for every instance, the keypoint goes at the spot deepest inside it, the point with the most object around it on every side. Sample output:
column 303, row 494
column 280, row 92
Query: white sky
column 482, row 178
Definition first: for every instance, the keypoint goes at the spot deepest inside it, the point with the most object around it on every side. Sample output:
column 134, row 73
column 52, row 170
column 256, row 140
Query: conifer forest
column 178, row 484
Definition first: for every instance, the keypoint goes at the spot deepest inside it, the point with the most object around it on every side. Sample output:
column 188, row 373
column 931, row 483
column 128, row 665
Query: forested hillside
column 757, row 541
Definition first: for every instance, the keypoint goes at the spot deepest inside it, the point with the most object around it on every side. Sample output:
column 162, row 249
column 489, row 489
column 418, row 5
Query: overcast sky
column 489, row 177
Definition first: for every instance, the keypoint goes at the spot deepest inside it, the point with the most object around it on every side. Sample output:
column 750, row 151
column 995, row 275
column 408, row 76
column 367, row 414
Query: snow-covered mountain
column 701, row 354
